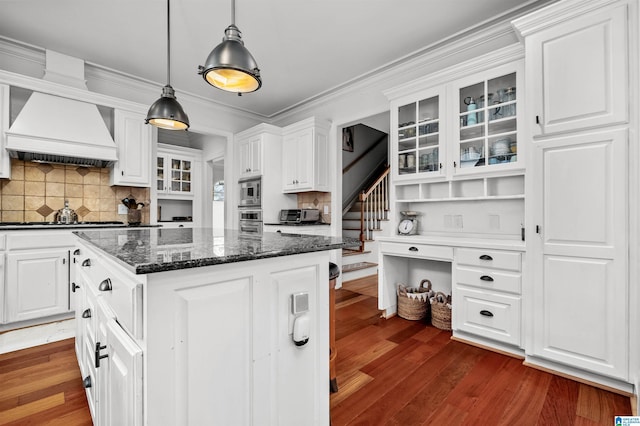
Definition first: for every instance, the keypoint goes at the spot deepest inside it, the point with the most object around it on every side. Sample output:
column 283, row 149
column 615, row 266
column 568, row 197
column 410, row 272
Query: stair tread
column 349, row 252
column 357, row 266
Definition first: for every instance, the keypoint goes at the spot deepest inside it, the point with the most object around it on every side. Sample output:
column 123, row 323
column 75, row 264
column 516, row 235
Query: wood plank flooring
column 42, row 386
column 399, row 372
column 390, row 372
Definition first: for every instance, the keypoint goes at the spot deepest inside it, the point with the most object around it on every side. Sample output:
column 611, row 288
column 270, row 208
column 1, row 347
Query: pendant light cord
column 233, row 12
column 168, row 44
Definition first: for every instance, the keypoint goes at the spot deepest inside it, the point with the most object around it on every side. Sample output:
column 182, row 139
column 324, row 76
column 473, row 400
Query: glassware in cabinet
column 418, row 137
column 487, row 124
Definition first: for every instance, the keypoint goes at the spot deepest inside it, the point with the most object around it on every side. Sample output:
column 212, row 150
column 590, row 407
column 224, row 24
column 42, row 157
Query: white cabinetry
column 578, row 218
column 487, row 294
column 110, row 359
column 299, row 229
column 5, row 160
column 224, row 355
column 133, row 140
column 3, row 310
column 175, row 171
column 37, row 268
column 305, row 156
column 577, row 66
column 250, row 156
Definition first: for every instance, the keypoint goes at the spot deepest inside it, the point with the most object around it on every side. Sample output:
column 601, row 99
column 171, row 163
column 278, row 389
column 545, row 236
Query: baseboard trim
column 27, row 337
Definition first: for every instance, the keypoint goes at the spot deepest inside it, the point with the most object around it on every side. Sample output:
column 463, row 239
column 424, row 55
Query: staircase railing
column 374, row 205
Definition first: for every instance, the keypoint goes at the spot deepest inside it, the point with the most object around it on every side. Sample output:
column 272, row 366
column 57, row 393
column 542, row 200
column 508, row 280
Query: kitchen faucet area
column 200, row 230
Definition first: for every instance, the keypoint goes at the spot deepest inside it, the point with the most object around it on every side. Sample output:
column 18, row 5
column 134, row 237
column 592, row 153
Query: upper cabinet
column 250, row 156
column 460, row 127
column 486, row 121
column 174, row 172
column 133, row 139
column 577, row 66
column 418, row 139
column 305, row 156
column 5, row 161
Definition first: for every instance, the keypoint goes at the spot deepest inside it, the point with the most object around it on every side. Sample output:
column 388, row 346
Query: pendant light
column 230, row 66
column 166, row 112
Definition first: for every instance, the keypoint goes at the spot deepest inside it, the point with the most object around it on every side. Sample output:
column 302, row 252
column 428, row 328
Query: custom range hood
column 54, row 129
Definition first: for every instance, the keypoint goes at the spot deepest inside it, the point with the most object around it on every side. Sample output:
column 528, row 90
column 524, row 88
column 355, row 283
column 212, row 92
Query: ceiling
column 304, row 48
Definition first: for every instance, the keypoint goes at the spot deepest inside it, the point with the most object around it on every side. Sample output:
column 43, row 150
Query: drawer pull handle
column 412, row 248
column 86, row 313
column 86, row 382
column 486, row 257
column 486, row 313
column 98, row 357
column 74, row 287
column 486, row 278
column 76, row 252
column 105, row 285
column 86, row 263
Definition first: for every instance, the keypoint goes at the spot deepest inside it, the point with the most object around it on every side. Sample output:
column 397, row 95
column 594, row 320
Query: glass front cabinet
column 418, row 140
column 469, row 126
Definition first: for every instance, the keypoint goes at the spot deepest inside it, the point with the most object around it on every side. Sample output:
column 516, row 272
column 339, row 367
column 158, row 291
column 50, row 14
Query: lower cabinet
column 37, row 284
column 487, row 295
column 216, row 346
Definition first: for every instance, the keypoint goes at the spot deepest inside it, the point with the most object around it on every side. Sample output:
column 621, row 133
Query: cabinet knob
column 455, row 164
column 486, row 257
column 486, row 313
column 86, row 313
column 86, row 382
column 122, row 172
column 74, row 287
column 98, row 357
column 86, row 263
column 486, row 278
column 105, row 285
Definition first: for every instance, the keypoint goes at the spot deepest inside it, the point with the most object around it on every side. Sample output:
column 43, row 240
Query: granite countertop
column 21, row 226
column 148, row 250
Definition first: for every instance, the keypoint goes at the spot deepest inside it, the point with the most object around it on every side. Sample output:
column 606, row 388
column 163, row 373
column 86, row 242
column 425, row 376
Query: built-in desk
column 483, row 276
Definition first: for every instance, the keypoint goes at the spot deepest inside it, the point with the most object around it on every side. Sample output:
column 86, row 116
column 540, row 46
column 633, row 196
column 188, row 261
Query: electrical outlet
column 457, row 221
column 325, row 210
column 122, row 209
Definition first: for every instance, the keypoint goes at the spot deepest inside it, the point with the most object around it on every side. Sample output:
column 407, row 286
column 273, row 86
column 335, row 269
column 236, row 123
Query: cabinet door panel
column 133, row 138
column 583, row 315
column 200, row 364
column 580, row 72
column 37, row 284
column 124, row 379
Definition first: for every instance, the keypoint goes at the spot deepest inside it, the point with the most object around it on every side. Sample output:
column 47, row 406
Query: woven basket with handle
column 413, row 303
column 440, row 312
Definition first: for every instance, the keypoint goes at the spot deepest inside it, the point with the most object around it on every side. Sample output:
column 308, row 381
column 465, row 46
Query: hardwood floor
column 390, row 372
column 42, row 386
column 399, row 372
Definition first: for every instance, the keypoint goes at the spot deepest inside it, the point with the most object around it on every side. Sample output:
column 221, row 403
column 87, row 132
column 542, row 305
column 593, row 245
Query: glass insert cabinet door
column 487, row 124
column 160, row 170
column 419, row 137
column 180, row 175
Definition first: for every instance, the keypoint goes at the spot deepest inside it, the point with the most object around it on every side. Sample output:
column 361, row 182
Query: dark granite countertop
column 18, row 226
column 148, row 250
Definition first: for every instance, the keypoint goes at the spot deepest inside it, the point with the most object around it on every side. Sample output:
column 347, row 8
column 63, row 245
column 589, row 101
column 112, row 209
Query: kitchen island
column 195, row 326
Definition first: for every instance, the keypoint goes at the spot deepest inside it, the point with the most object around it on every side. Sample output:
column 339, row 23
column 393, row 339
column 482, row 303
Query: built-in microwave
column 250, row 192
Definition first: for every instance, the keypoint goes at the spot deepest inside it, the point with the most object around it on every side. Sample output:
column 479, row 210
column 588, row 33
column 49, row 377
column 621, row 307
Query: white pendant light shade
column 230, row 66
column 166, row 112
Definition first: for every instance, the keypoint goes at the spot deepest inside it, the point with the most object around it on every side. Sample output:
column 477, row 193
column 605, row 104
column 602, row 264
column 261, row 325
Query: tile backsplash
column 37, row 191
column 316, row 200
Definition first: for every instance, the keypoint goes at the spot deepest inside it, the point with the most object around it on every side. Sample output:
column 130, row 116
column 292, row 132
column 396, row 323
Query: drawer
column 425, row 251
column 490, row 315
column 508, row 260
column 489, row 279
column 40, row 239
column 121, row 294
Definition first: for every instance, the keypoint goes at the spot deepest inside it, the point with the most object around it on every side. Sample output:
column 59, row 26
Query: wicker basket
column 413, row 303
column 440, row 312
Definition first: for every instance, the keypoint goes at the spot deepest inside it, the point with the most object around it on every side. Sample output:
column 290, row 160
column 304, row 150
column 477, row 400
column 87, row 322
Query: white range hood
column 54, row 129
